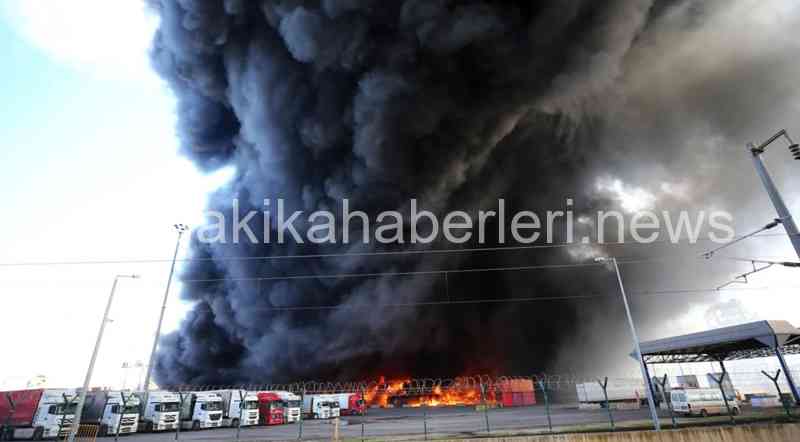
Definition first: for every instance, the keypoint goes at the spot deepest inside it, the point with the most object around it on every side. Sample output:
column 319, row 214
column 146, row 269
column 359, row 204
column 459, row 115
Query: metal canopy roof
column 752, row 340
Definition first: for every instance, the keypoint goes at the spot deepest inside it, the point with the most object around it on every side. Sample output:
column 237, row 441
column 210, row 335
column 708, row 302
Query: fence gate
column 86, row 433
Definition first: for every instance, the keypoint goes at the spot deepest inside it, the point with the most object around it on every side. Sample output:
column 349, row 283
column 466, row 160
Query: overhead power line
column 391, row 274
column 431, row 272
column 682, row 242
column 771, row 225
column 509, row 300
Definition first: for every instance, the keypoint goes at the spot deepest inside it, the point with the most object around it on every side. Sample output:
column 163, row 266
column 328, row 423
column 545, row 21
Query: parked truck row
column 49, row 413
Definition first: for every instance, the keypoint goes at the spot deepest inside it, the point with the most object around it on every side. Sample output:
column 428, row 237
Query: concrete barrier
column 739, row 433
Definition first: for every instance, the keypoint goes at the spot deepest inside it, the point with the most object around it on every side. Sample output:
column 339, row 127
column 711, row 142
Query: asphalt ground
column 440, row 422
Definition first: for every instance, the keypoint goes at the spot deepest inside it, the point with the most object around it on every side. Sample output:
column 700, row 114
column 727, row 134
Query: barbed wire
column 438, row 385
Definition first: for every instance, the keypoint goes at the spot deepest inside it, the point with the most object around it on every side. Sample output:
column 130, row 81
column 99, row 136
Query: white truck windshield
column 167, row 407
column 211, row 406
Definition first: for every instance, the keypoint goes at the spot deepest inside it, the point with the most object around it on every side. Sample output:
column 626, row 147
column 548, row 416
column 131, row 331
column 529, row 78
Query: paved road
column 383, row 423
column 412, row 423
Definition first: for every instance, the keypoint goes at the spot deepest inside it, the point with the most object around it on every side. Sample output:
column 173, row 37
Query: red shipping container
column 516, row 393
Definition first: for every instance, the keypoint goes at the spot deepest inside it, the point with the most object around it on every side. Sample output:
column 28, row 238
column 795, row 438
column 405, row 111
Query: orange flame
column 399, row 392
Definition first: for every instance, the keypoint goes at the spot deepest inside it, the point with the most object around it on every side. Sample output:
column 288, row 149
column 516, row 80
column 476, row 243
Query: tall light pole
column 82, row 397
column 645, row 376
column 181, row 229
column 783, row 212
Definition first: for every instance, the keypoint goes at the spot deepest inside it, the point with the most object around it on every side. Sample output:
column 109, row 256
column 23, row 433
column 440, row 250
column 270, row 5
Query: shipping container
column 515, row 393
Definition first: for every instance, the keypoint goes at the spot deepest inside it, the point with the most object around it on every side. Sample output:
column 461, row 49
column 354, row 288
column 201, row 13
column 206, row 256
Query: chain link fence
column 433, row 408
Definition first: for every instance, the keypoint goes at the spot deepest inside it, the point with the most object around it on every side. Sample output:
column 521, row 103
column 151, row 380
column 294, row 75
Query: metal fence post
column 7, row 432
column 774, row 379
column 485, row 407
column 724, row 396
column 425, row 420
column 125, row 400
column 663, row 384
column 302, row 409
column 364, row 413
column 546, row 406
column 604, row 386
column 180, row 412
column 242, row 395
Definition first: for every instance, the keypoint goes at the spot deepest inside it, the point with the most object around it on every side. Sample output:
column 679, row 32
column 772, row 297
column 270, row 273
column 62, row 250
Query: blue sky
column 90, row 171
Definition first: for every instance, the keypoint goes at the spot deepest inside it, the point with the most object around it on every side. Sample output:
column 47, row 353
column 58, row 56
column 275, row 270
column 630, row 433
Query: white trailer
column 235, row 410
column 619, row 391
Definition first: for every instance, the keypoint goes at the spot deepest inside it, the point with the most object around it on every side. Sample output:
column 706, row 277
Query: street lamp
column 181, row 229
column 648, row 389
column 82, row 397
column 783, row 212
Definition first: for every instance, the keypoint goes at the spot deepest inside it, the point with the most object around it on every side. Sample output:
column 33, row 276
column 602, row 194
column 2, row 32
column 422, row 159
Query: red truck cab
column 356, row 404
column 270, row 408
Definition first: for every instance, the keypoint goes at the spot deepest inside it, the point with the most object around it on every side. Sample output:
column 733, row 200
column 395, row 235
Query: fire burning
column 408, row 393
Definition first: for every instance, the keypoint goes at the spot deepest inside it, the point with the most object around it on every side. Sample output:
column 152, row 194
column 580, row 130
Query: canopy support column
column 789, row 377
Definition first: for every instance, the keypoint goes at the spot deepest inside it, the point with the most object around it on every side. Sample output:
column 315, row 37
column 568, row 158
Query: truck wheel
column 235, row 423
column 103, row 431
column 703, row 413
column 38, row 433
column 735, row 411
column 196, row 425
column 148, row 427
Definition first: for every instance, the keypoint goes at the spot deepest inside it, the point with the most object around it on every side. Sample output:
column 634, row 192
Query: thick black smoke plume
column 456, row 103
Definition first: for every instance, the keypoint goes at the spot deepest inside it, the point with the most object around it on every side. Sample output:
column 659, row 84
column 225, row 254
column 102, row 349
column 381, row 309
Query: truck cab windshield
column 130, row 409
column 62, row 409
column 211, row 406
column 251, row 405
column 294, row 404
column 167, row 406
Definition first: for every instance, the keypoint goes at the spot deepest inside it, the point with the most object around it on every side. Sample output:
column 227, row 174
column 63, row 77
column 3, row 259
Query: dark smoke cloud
column 456, row 103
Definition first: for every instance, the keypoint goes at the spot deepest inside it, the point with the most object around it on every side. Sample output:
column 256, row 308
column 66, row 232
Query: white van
column 701, row 402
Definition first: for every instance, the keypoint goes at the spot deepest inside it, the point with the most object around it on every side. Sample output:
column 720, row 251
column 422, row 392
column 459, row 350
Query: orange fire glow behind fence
column 404, row 392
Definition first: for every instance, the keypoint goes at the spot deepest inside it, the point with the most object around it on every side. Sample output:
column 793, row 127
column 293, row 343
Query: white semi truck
column 316, row 406
column 158, row 410
column 201, row 409
column 333, row 404
column 114, row 412
column 294, row 405
column 37, row 414
column 236, row 410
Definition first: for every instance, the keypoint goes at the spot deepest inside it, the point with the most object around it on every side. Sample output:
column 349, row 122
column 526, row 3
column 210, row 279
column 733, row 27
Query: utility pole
column 783, row 212
column 82, row 397
column 180, row 228
column 645, row 376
